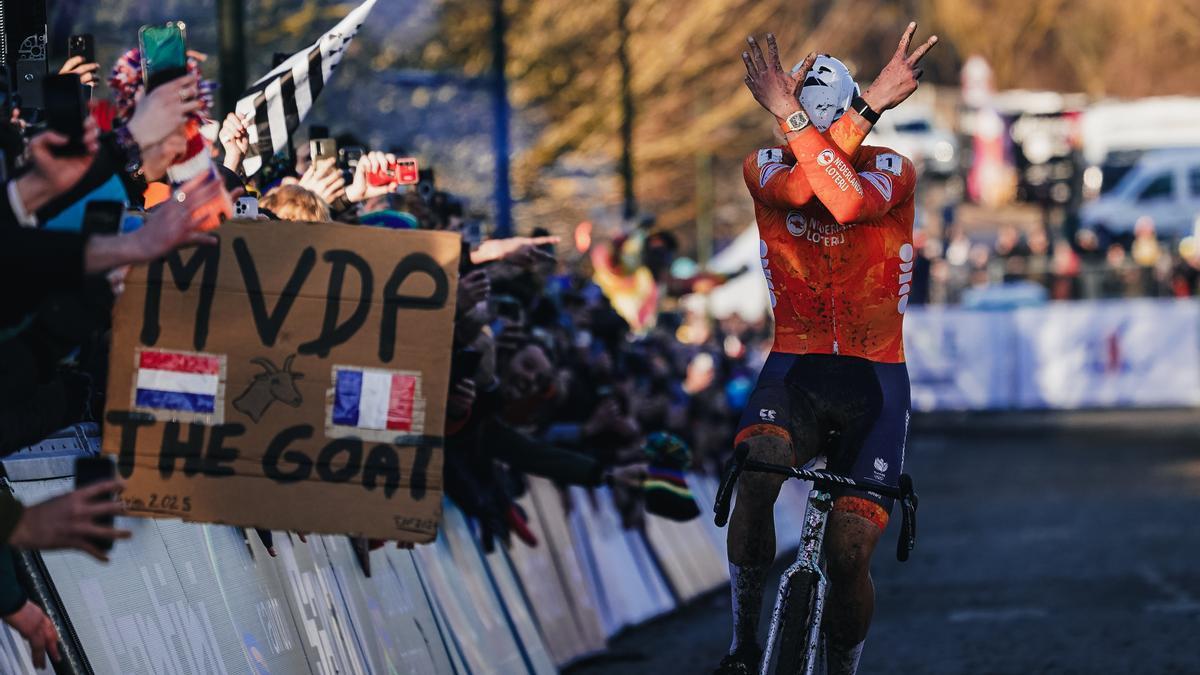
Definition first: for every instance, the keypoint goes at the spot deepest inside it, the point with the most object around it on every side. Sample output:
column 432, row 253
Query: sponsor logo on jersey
column 826, row 157
column 803, row 226
column 762, row 254
column 905, row 280
column 766, row 415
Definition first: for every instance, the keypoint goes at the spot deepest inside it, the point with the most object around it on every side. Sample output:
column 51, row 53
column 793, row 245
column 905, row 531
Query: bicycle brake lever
column 725, row 492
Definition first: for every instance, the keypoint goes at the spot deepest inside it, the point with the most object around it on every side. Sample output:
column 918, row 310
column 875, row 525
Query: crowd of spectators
column 954, row 264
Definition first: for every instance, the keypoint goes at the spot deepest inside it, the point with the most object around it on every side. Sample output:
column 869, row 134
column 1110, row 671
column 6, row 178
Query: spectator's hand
column 53, row 175
column 462, row 398
column 324, row 179
column 38, row 630
column 165, row 110
column 528, row 256
column 473, row 289
column 69, row 521
column 77, row 66
column 500, row 249
column 159, row 157
column 900, row 76
column 177, row 221
column 235, row 138
column 361, row 190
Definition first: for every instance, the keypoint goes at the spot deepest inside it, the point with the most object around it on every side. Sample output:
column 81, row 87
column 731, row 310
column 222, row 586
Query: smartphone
column 83, row 45
column 103, row 217
column 348, row 159
column 464, row 365
column 322, row 148
column 164, row 53
column 426, row 184
column 246, row 208
column 97, row 469
column 401, row 172
column 66, row 108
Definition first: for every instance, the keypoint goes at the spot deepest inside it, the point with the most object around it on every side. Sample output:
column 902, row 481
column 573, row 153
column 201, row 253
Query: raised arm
column 774, row 182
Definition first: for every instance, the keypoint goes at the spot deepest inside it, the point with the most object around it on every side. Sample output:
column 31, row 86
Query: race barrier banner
column 960, row 359
column 1063, row 355
column 327, row 418
column 1128, row 353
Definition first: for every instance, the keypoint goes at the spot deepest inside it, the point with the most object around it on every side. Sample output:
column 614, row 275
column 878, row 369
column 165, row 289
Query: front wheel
column 797, row 642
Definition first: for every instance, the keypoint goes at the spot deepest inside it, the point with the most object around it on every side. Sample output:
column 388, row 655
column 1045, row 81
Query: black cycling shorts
column 862, row 405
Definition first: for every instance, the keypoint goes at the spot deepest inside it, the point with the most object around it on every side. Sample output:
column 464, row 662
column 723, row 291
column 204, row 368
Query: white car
column 932, row 149
column 1164, row 185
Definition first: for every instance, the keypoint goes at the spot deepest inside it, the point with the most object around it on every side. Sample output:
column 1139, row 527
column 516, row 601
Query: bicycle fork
column 804, row 581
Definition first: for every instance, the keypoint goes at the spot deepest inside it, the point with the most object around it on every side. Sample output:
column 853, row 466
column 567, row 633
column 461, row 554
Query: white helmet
column 827, row 91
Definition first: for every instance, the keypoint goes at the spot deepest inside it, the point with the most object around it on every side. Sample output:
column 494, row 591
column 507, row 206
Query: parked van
column 1164, row 185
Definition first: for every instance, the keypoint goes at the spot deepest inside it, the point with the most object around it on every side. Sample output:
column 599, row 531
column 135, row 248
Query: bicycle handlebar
column 903, row 492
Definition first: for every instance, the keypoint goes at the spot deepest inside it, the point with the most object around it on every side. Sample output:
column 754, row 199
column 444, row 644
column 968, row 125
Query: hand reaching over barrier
column 68, row 521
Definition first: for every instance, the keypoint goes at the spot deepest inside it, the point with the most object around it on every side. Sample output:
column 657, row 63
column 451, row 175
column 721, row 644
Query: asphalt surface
column 1047, row 544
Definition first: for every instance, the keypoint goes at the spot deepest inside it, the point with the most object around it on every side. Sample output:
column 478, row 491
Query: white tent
column 746, row 295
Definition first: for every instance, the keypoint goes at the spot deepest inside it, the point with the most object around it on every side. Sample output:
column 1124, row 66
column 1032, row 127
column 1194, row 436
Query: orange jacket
column 835, row 222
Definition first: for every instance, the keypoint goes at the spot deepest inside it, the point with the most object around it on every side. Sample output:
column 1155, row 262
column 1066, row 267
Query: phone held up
column 403, row 171
column 83, row 46
column 66, row 109
column 97, row 469
column 164, row 53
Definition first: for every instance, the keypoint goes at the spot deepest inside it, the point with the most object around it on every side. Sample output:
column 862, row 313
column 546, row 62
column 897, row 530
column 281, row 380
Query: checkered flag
column 278, row 102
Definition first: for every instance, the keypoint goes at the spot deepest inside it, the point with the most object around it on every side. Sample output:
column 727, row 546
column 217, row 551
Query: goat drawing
column 275, row 384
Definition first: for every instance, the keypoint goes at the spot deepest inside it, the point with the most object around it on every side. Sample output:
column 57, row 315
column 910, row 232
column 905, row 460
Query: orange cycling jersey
column 835, row 222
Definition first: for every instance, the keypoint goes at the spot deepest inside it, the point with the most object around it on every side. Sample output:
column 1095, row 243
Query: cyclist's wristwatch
column 795, row 122
column 862, row 108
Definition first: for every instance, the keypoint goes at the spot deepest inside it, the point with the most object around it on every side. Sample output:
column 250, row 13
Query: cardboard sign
column 293, row 377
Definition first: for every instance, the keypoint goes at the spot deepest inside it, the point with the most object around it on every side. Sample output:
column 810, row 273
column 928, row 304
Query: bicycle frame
column 808, row 560
column 812, row 539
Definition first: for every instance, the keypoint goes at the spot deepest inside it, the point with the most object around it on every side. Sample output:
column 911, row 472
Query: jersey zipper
column 833, row 308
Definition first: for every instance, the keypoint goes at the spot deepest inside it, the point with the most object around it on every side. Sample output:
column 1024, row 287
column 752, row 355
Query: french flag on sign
column 367, row 398
column 181, row 382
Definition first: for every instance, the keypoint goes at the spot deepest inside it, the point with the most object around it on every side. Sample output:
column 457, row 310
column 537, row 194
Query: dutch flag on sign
column 180, row 382
column 367, row 398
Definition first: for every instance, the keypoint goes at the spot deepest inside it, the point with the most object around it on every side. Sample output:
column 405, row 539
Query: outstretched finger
column 751, row 71
column 922, row 50
column 760, row 62
column 773, row 52
column 906, row 39
column 802, row 72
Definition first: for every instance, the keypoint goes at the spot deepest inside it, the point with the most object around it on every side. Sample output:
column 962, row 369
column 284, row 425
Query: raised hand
column 235, row 138
column 361, row 189
column 901, row 75
column 77, row 66
column 165, row 110
column 517, row 250
column 773, row 87
column 325, row 180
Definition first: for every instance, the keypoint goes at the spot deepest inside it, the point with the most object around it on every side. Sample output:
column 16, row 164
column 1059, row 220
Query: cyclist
column 835, row 220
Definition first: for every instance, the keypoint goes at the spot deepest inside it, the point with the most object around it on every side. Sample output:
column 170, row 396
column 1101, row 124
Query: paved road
column 1043, row 548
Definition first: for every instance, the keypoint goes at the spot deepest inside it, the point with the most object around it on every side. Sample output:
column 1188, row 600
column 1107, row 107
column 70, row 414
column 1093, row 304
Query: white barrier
column 1064, row 355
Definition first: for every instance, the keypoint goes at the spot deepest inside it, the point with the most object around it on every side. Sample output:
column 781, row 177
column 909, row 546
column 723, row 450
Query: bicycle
column 796, row 619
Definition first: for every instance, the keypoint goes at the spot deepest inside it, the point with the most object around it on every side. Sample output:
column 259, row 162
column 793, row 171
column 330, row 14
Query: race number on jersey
column 889, row 162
